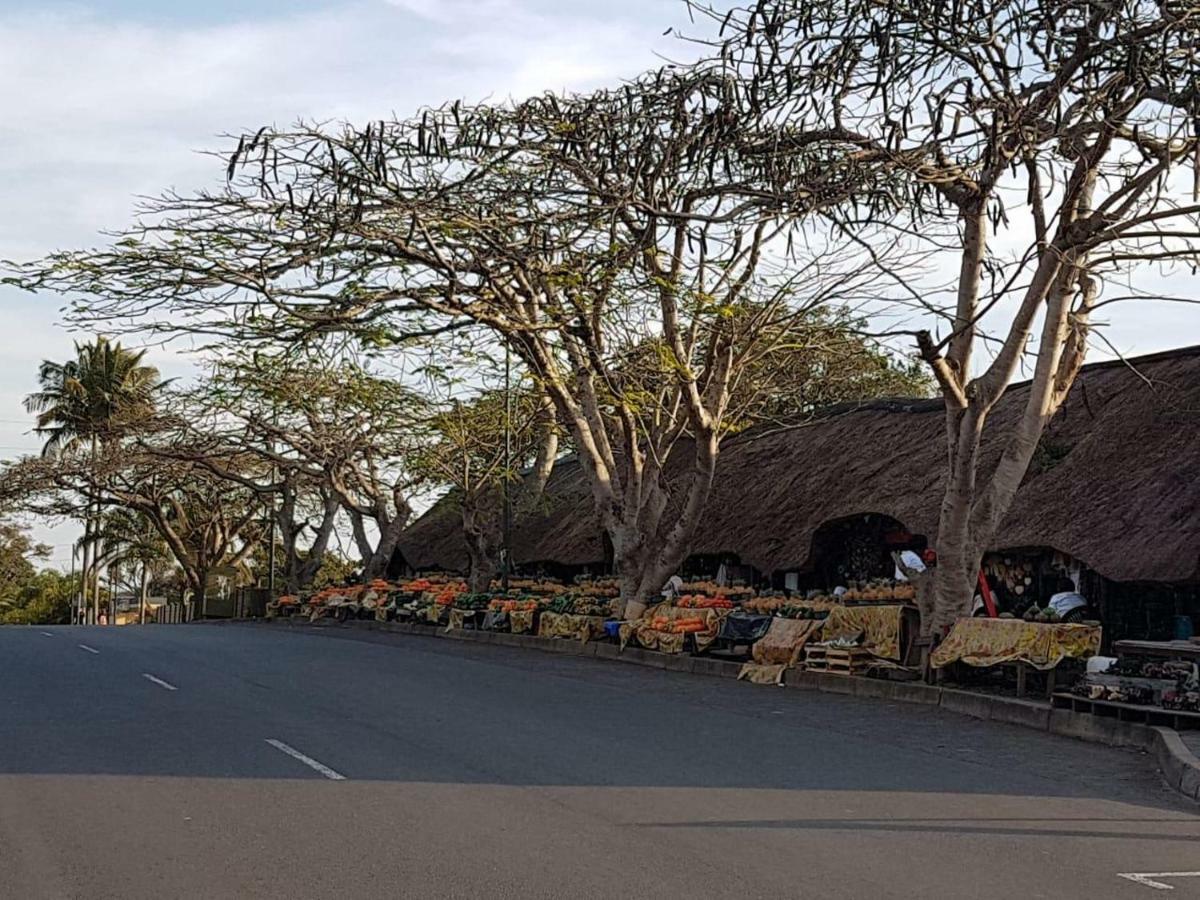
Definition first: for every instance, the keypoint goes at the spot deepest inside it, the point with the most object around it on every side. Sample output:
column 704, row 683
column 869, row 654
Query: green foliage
column 29, row 597
column 44, row 599
column 335, row 569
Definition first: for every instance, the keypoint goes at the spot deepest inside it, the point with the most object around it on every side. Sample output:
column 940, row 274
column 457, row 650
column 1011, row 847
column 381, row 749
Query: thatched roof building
column 1116, row 483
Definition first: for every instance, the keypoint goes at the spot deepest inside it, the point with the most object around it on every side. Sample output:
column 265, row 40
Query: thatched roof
column 1117, row 484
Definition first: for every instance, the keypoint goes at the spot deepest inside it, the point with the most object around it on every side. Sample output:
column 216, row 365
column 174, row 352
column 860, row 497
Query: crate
column 837, row 660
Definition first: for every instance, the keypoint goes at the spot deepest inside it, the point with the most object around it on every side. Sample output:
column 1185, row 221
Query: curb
column 1179, row 767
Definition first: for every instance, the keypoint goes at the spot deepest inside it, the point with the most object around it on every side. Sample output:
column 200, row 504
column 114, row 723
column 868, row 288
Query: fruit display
column 700, row 601
column 1041, row 616
column 543, row 587
column 596, row 587
column 573, row 605
column 712, row 589
column 472, row 602
column 800, row 611
column 679, row 626
column 1182, row 701
column 513, row 604
column 880, row 589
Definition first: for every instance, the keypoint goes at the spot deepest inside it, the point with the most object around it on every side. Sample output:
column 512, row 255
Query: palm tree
column 94, row 399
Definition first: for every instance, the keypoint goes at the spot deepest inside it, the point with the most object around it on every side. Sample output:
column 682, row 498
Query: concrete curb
column 1180, row 768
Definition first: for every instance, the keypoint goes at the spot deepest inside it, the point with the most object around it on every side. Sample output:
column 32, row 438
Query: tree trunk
column 144, row 593
column 480, row 548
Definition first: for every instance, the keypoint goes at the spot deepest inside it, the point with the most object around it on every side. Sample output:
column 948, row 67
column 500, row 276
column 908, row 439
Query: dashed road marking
column 307, row 760
column 88, row 649
column 159, row 682
column 48, row 633
column 1150, row 879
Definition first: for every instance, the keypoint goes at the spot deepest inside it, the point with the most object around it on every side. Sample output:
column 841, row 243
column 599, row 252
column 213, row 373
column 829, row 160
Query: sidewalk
column 1191, row 740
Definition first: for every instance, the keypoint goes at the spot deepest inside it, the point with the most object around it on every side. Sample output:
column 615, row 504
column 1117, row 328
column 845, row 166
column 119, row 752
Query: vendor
column 1067, row 598
column 910, row 563
column 672, row 589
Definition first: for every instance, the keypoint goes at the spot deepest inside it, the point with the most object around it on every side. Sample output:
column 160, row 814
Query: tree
column 17, row 552
column 1088, row 112
column 42, row 599
column 97, row 398
column 339, row 434
column 582, row 231
column 490, row 447
column 29, row 597
column 206, row 523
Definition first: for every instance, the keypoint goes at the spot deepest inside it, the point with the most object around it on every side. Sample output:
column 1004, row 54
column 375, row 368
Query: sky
column 106, row 101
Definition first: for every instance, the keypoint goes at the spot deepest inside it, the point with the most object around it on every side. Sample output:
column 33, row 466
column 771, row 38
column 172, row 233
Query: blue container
column 1184, row 629
column 612, row 629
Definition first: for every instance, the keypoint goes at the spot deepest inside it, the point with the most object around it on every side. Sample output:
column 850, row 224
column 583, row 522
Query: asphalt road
column 478, row 771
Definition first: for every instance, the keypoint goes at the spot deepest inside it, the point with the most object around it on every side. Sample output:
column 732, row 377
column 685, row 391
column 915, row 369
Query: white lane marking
column 159, row 682
column 307, row 760
column 48, row 633
column 1148, row 878
column 88, row 649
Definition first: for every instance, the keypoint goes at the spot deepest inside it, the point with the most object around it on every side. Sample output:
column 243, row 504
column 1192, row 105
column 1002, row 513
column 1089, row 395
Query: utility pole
column 507, row 536
column 271, row 514
column 76, row 606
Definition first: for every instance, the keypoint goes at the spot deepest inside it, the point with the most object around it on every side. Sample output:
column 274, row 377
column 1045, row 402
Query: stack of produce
column 511, row 604
column 471, row 602
column 801, row 611
column 575, row 605
column 880, row 590
column 712, row 589
column 541, row 587
column 448, row 593
column 596, row 587
column 765, row 606
column 1041, row 616
column 699, row 601
column 679, row 626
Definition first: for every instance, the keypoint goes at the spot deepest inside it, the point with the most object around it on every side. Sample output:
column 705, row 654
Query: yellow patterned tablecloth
column 581, row 628
column 879, row 625
column 784, row 643
column 991, row 642
column 668, row 642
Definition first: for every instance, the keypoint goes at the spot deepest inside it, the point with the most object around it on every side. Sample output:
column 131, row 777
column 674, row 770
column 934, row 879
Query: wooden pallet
column 837, row 660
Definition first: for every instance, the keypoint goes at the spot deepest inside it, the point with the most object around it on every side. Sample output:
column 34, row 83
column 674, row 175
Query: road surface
column 273, row 761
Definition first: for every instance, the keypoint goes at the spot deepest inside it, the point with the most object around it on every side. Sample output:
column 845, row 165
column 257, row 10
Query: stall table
column 984, row 643
column 887, row 631
column 1180, row 720
column 1159, row 649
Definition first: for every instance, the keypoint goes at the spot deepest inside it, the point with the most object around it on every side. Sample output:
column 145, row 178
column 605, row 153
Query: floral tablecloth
column 669, row 642
column 991, row 642
column 784, row 642
column 879, row 625
column 581, row 628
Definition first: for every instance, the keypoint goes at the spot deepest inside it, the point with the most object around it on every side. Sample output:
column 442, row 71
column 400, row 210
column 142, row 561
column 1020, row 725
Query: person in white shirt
column 1067, row 599
column 907, row 560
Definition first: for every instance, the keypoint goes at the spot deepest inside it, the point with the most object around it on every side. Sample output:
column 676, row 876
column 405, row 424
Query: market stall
column 581, row 617
column 672, row 629
column 983, row 643
column 1151, row 682
column 885, row 630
